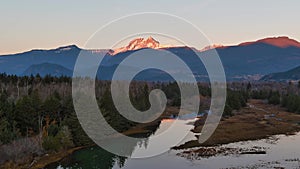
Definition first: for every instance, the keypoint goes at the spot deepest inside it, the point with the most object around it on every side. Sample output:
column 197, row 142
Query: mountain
column 213, row 46
column 293, row 74
column 246, row 61
column 18, row 63
column 261, row 57
column 281, row 42
column 138, row 43
column 47, row 69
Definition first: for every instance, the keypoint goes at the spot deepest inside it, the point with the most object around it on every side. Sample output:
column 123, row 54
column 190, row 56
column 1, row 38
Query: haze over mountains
column 246, row 61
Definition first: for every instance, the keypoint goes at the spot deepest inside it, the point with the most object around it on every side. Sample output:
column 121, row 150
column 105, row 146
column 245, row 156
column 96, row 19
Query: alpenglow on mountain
column 138, row 43
column 247, row 61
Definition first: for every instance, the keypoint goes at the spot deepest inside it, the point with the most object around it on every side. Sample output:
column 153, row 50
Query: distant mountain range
column 246, row 61
column 293, row 74
column 19, row 63
column 44, row 69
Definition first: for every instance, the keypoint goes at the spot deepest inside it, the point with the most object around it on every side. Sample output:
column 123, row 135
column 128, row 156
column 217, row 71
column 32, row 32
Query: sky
column 36, row 24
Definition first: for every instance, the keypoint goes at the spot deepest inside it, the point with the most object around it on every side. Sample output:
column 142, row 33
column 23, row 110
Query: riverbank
column 258, row 120
column 41, row 161
column 49, row 158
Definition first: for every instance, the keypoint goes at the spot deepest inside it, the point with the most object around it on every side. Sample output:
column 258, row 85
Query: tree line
column 42, row 108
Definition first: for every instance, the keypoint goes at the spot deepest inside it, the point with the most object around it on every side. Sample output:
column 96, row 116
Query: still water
column 282, row 151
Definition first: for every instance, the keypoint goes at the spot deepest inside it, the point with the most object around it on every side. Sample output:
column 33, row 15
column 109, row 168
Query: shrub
column 62, row 140
column 65, row 137
column 51, row 143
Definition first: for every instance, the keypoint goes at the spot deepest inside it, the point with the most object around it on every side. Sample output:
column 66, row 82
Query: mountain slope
column 47, row 69
column 18, row 63
column 138, row 43
column 258, row 59
column 293, row 74
column 281, row 41
column 242, row 62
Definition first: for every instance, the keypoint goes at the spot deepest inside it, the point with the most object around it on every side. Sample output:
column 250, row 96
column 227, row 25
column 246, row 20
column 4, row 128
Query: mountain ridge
column 138, row 43
column 44, row 69
column 280, row 41
column 150, row 42
column 292, row 74
column 239, row 62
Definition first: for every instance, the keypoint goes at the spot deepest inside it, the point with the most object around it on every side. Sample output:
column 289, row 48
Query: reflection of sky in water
column 283, row 150
column 163, row 137
column 190, row 116
column 279, row 152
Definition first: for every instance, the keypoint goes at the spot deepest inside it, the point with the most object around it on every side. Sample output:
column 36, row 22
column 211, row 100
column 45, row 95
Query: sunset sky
column 35, row 24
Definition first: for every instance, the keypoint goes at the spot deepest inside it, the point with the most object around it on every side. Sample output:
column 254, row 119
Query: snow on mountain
column 139, row 43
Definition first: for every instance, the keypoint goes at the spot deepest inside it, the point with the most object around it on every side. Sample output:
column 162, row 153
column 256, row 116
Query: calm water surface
column 282, row 151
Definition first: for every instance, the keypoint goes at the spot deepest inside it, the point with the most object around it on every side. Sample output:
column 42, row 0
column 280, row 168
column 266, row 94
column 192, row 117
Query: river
column 281, row 151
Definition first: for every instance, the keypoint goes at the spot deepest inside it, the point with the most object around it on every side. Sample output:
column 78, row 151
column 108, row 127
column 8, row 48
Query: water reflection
column 97, row 157
column 93, row 157
column 281, row 151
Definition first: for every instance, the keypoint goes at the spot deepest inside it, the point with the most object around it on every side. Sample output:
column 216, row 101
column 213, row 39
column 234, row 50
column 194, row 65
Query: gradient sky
column 32, row 24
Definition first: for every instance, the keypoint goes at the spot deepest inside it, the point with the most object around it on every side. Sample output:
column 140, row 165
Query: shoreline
column 42, row 161
column 52, row 158
column 49, row 158
column 256, row 121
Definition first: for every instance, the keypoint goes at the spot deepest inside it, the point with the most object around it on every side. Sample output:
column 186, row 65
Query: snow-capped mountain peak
column 139, row 43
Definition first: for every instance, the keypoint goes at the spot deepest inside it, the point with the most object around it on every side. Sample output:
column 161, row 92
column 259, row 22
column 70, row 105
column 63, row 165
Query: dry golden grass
column 258, row 121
